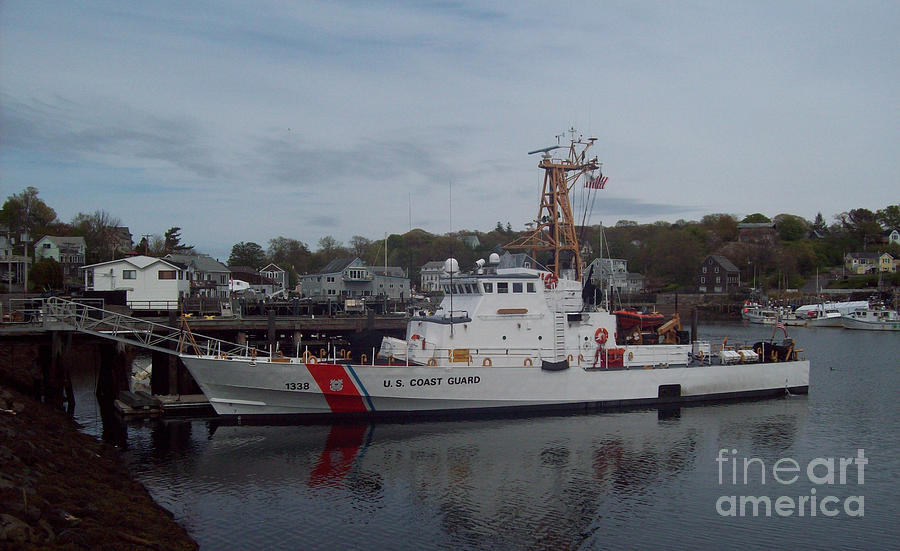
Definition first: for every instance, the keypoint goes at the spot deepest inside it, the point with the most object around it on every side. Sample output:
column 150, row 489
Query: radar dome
column 451, row 266
column 494, row 258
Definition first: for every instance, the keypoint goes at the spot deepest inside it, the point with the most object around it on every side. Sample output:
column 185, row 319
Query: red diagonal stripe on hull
column 337, row 387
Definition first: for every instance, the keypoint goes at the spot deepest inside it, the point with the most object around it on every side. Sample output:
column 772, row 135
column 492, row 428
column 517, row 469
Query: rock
column 14, row 530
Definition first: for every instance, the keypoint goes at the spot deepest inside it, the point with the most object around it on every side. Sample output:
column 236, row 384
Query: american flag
column 597, row 183
column 779, row 325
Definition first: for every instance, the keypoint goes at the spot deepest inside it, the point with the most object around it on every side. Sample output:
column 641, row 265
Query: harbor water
column 800, row 472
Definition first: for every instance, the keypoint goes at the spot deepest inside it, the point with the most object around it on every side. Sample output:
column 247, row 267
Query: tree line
column 668, row 254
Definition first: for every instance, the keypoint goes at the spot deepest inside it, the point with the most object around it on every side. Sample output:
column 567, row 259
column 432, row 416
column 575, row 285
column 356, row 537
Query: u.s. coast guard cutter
column 510, row 338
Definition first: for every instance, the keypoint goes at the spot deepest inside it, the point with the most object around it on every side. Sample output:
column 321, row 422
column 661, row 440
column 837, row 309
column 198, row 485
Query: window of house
column 717, row 269
column 704, row 269
column 166, row 274
column 488, row 287
column 180, row 275
column 702, row 279
column 502, row 287
column 517, row 287
column 129, row 274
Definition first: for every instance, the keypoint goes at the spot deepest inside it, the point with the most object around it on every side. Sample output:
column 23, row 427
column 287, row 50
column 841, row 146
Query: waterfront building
column 717, row 274
column 69, row 252
column 208, row 277
column 150, row 283
column 350, row 277
column 276, row 274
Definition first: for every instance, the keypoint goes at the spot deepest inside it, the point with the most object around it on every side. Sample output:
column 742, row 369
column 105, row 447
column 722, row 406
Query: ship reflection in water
column 543, row 482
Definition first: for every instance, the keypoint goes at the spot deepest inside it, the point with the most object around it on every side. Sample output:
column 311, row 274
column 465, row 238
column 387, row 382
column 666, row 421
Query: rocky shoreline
column 63, row 489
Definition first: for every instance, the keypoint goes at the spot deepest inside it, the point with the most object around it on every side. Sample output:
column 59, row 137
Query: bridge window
column 488, row 287
column 502, row 287
column 530, row 287
column 517, row 287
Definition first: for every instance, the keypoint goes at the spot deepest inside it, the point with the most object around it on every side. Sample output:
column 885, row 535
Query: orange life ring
column 550, row 280
column 527, row 362
column 431, row 362
column 487, row 362
column 601, row 335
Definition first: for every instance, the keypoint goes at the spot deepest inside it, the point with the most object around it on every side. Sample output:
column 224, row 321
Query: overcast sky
column 244, row 121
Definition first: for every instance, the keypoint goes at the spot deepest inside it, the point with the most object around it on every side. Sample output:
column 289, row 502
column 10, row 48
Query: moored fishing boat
column 872, row 318
column 511, row 338
column 827, row 314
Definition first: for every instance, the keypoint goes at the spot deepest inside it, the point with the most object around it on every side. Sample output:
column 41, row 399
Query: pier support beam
column 115, row 372
column 694, row 324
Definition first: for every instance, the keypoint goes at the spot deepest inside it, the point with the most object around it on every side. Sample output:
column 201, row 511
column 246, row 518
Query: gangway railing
column 65, row 314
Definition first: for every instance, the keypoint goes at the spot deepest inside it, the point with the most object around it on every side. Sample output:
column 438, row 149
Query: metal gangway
column 66, row 315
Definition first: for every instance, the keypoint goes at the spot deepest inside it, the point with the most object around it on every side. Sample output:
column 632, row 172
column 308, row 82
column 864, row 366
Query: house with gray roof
column 208, row 276
column 717, row 274
column 351, row 278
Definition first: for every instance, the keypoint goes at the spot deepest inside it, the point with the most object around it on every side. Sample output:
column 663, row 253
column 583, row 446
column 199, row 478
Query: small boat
column 872, row 318
column 504, row 339
column 758, row 314
column 770, row 315
column 628, row 319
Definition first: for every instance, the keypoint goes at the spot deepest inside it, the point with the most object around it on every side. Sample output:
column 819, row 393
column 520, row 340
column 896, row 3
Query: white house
column 893, row 237
column 69, row 252
column 431, row 273
column 150, row 283
column 277, row 274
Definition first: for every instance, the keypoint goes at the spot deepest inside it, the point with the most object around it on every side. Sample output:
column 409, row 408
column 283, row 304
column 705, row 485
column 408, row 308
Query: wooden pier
column 39, row 350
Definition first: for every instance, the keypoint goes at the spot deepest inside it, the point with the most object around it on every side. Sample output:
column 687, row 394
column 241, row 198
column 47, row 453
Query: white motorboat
column 509, row 338
column 872, row 318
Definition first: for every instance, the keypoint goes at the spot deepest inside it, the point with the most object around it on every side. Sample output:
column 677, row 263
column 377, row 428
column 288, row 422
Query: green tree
column 25, row 212
column 247, row 254
column 755, row 218
column 723, row 226
column 818, row 224
column 290, row 254
column 46, row 274
column 329, row 249
column 100, row 232
column 173, row 242
column 790, row 227
column 889, row 217
column 862, row 225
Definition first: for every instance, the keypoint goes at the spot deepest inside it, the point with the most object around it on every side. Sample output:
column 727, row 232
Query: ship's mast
column 555, row 230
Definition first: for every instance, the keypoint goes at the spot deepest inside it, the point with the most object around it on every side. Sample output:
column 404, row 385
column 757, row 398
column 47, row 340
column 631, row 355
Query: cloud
column 244, row 121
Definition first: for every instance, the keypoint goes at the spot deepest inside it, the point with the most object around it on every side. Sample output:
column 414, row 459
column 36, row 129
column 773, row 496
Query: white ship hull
column 870, row 325
column 235, row 387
